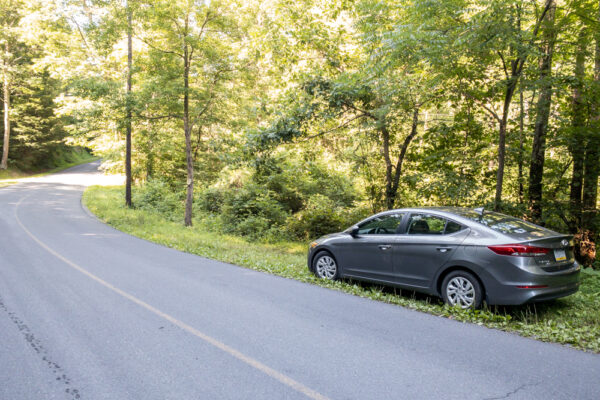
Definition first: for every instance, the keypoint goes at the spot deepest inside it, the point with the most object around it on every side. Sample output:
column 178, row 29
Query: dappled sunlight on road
column 80, row 179
column 84, row 175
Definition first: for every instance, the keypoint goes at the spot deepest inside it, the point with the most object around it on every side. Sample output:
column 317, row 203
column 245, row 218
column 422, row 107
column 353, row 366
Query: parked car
column 463, row 255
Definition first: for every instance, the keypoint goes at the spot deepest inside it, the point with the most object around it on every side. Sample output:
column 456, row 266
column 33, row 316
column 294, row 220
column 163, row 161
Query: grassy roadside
column 574, row 320
column 12, row 176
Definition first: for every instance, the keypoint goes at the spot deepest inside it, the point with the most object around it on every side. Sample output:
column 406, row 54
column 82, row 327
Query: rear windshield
column 500, row 222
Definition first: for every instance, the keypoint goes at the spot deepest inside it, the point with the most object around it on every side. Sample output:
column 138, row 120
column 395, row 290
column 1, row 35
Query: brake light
column 519, row 250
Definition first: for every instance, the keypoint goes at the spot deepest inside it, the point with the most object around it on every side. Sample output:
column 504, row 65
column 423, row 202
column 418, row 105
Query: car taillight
column 519, row 250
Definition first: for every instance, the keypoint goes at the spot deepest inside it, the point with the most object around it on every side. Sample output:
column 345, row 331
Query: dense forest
column 288, row 119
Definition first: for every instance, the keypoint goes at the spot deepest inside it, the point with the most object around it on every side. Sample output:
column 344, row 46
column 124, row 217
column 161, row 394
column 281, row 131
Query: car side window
column 382, row 225
column 426, row 224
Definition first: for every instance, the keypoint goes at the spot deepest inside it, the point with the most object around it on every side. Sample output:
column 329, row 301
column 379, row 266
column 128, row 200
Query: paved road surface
column 89, row 312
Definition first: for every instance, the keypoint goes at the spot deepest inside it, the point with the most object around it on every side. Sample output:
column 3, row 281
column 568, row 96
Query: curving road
column 89, row 312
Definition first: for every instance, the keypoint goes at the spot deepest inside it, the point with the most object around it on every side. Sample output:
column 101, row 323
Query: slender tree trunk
column 150, row 157
column 393, row 173
column 503, row 122
column 536, row 170
column 521, row 127
column 188, row 136
column 516, row 69
column 402, row 155
column 128, row 202
column 577, row 146
column 592, row 159
column 501, row 153
column 389, row 196
column 521, row 144
column 6, row 100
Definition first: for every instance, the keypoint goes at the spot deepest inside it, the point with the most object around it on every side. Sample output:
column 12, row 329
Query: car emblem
column 564, row 242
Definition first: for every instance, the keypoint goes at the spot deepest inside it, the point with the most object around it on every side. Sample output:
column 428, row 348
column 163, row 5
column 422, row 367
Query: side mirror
column 354, row 231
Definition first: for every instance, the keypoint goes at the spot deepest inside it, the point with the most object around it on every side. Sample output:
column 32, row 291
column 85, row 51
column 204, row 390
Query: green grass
column 11, row 175
column 574, row 320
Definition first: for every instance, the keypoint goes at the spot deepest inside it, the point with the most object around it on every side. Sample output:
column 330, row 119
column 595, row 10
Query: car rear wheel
column 325, row 266
column 462, row 289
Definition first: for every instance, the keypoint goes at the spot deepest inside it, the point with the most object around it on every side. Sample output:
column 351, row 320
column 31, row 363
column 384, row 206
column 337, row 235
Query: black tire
column 462, row 289
column 325, row 266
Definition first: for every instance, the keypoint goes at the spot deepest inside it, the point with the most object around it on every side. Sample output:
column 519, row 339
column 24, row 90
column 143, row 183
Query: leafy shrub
column 211, row 199
column 157, row 196
column 282, row 197
column 252, row 200
column 254, row 226
column 251, row 211
column 296, row 180
column 320, row 216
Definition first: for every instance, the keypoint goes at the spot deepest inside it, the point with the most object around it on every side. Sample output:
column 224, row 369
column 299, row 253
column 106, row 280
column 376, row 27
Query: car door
column 430, row 240
column 370, row 254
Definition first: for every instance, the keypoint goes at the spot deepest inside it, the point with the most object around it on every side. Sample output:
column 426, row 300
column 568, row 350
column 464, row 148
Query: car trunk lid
column 560, row 255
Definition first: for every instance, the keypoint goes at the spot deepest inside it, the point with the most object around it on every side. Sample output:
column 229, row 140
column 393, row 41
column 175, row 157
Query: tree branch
column 157, row 48
column 482, row 104
column 503, row 64
column 342, row 125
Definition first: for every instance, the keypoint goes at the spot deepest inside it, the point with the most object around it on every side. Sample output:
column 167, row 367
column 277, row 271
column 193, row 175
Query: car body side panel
column 366, row 256
column 417, row 258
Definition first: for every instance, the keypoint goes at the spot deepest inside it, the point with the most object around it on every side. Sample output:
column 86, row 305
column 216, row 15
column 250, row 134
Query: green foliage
column 320, row 216
column 158, row 196
column 283, row 196
column 252, row 211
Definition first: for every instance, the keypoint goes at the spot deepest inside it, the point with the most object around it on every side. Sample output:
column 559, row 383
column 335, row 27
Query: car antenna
column 480, row 211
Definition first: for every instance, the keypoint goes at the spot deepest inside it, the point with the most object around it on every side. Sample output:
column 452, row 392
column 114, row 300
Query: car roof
column 448, row 212
column 438, row 210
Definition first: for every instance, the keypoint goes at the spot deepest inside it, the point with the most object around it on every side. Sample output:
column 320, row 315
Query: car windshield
column 500, row 222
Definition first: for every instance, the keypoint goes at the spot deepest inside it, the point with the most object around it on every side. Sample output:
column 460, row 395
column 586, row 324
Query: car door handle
column 443, row 249
column 385, row 246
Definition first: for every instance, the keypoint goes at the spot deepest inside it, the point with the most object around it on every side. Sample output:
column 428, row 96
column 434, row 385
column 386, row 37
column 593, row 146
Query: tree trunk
column 521, row 145
column 536, row 170
column 521, row 128
column 511, row 84
column 501, row 154
column 402, row 155
column 128, row 202
column 389, row 195
column 578, row 139
column 393, row 174
column 592, row 155
column 503, row 122
column 188, row 135
column 6, row 100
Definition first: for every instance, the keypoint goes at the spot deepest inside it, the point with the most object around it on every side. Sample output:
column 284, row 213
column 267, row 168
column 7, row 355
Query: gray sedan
column 463, row 255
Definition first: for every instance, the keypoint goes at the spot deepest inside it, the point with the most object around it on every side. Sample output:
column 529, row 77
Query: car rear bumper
column 530, row 288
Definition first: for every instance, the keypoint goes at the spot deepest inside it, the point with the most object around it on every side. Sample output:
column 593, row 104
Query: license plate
column 560, row 255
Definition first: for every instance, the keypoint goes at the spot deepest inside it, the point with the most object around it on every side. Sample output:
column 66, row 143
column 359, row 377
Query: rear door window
column 427, row 224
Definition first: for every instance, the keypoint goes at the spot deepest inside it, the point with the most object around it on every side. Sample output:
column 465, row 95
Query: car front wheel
column 462, row 289
column 325, row 266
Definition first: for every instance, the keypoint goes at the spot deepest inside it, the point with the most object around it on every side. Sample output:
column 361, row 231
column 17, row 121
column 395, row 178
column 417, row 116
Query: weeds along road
column 87, row 312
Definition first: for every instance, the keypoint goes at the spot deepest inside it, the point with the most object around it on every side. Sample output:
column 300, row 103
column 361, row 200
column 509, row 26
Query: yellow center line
column 286, row 380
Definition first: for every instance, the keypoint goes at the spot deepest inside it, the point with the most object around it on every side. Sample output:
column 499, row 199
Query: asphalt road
column 89, row 312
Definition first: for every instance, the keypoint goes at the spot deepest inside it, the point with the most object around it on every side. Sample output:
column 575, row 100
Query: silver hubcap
column 326, row 267
column 460, row 292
